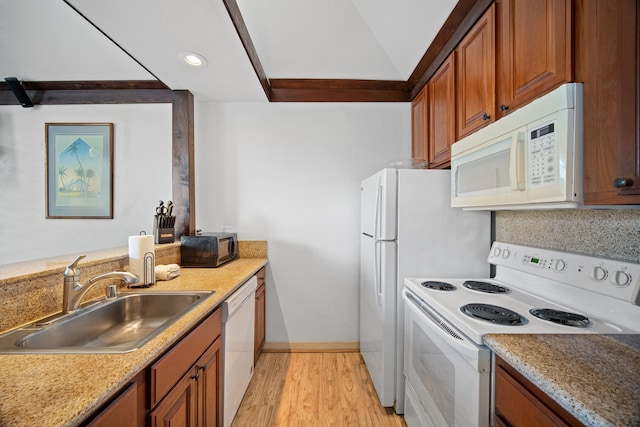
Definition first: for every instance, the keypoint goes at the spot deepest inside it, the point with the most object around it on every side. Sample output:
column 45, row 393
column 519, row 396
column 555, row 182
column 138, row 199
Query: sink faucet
column 74, row 291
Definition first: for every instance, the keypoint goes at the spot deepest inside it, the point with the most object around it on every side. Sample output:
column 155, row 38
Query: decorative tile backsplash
column 604, row 233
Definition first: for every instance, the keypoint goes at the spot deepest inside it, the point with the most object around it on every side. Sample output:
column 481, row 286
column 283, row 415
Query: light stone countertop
column 594, row 377
column 64, row 389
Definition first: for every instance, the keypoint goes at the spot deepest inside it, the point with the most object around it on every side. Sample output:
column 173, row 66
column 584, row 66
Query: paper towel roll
column 142, row 258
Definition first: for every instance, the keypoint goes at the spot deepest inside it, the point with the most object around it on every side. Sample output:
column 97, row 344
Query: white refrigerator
column 409, row 229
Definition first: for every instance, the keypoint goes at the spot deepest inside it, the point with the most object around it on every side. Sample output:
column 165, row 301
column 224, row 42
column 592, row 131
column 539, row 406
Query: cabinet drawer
column 167, row 371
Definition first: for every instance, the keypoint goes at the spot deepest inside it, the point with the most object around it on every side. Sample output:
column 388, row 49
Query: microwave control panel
column 543, row 156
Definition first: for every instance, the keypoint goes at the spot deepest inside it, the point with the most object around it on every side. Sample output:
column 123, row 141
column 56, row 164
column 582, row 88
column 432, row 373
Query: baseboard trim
column 312, row 347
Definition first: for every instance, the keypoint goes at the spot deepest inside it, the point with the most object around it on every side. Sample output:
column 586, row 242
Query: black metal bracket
column 17, row 89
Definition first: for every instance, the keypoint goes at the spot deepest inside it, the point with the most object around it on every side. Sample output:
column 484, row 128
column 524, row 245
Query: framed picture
column 79, row 170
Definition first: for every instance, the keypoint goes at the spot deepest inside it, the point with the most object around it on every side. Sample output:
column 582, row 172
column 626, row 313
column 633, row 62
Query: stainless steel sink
column 118, row 325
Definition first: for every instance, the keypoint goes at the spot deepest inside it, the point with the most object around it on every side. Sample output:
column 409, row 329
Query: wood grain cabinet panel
column 179, row 407
column 607, row 34
column 476, row 76
column 260, row 320
column 191, row 395
column 442, row 112
column 122, row 412
column 419, row 126
column 534, row 49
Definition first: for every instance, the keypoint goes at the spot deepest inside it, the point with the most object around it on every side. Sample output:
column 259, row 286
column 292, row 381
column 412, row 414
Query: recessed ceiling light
column 194, row 59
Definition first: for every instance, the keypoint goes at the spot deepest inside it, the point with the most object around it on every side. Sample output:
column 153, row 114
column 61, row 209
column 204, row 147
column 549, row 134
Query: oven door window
column 451, row 381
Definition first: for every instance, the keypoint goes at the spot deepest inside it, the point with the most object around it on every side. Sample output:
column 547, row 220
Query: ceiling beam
column 91, row 92
column 459, row 22
column 338, row 90
column 241, row 28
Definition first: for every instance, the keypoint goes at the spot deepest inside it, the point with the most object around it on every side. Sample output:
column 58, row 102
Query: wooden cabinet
column 260, row 321
column 519, row 403
column 534, row 49
column 419, row 126
column 475, row 76
column 126, row 410
column 516, row 52
column 186, row 382
column 196, row 399
column 441, row 105
column 607, row 43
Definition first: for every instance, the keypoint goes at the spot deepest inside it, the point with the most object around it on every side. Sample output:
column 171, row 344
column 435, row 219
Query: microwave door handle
column 516, row 161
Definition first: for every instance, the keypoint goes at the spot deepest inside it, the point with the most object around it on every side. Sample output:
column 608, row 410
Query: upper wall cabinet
column 475, row 76
column 517, row 51
column 419, row 126
column 442, row 114
column 607, row 55
column 534, row 49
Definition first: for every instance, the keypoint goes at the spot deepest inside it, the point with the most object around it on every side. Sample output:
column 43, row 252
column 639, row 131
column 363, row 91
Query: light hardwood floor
column 312, row 389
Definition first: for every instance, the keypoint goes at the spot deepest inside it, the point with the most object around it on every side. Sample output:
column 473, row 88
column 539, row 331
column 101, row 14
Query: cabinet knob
column 504, row 107
column 485, row 116
column 622, row 182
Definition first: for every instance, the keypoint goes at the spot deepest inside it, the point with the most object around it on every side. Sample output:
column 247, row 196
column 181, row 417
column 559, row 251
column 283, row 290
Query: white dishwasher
column 238, row 316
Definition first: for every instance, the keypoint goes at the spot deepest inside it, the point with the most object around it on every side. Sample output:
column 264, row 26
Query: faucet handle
column 70, row 271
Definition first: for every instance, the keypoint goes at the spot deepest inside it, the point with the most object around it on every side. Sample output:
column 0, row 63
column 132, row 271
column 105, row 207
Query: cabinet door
column 475, row 76
column 534, row 49
column 419, row 134
column 627, row 180
column 442, row 111
column 607, row 63
column 260, row 323
column 123, row 412
column 179, row 407
column 209, row 386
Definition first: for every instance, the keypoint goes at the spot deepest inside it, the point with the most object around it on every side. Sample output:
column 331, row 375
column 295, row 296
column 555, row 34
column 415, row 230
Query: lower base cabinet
column 127, row 409
column 195, row 400
column 181, row 388
column 519, row 403
column 260, row 323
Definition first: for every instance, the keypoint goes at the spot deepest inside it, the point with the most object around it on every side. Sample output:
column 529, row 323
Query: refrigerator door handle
column 376, row 220
column 377, row 265
column 377, row 273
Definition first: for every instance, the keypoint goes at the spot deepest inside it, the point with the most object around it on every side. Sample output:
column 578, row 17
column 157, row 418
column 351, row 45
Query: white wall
column 290, row 174
column 142, row 176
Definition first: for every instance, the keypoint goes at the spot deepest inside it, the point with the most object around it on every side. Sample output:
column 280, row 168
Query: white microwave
column 530, row 159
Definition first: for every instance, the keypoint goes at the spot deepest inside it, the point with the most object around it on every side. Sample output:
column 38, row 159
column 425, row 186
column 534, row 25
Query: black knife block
column 163, row 235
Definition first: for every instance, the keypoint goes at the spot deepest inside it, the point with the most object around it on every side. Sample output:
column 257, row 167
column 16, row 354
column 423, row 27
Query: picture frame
column 79, row 176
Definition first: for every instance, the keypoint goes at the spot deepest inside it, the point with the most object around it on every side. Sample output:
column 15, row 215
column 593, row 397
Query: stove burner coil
column 439, row 286
column 485, row 287
column 561, row 317
column 493, row 313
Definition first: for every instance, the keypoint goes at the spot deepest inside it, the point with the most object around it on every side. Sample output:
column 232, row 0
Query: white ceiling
column 44, row 40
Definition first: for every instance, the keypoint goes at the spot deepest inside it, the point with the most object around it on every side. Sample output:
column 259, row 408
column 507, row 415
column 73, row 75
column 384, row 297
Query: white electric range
column 535, row 291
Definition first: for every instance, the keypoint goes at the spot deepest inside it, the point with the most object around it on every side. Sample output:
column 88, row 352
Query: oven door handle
column 456, row 340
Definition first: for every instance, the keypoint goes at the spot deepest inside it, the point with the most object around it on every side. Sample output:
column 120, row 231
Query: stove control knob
column 598, row 274
column 620, row 279
column 497, row 251
column 559, row 265
column 505, row 253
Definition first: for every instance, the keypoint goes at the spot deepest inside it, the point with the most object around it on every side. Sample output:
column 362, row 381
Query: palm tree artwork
column 84, row 161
